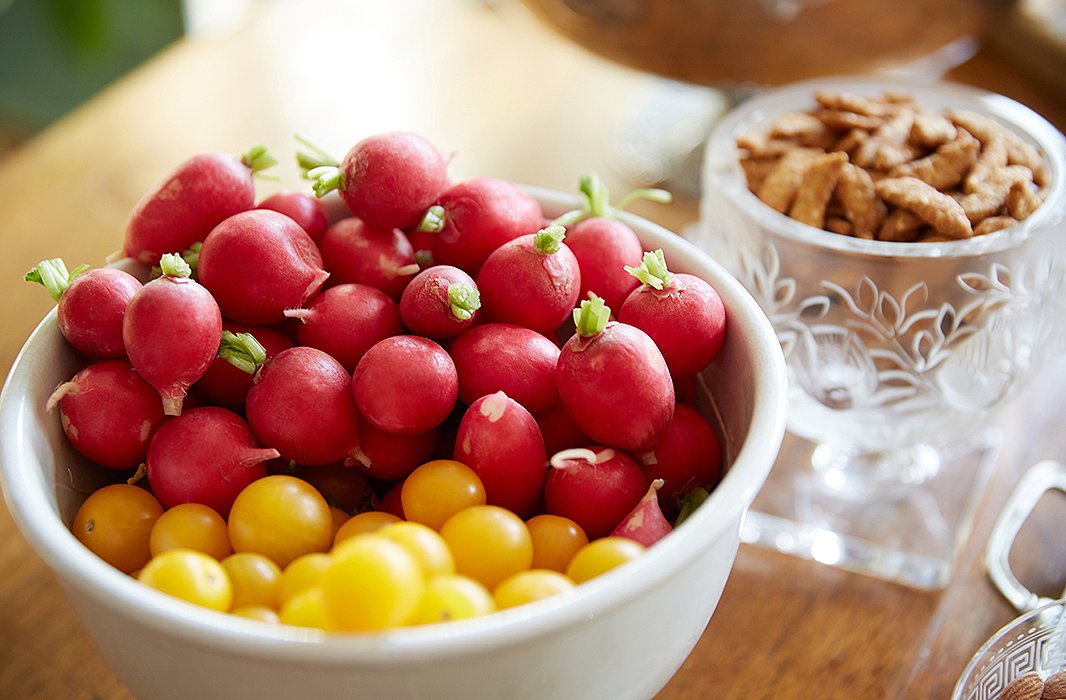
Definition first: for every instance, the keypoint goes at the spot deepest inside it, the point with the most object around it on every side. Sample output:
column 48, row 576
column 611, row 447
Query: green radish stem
column 652, row 194
column 319, row 167
column 325, row 178
column 53, row 275
column 597, row 197
column 242, row 351
column 310, row 156
column 692, row 500
column 258, row 158
column 547, row 240
column 192, row 255
column 433, row 220
column 652, row 270
column 463, row 300
column 591, row 317
column 597, row 200
column 174, row 265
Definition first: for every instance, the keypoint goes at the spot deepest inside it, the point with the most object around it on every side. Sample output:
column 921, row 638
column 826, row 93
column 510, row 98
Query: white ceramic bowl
column 622, row 635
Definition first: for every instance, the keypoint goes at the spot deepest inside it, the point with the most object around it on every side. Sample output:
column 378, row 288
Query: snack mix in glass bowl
column 904, row 238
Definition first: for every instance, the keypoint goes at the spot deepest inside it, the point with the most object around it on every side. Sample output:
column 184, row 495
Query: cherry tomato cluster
column 434, row 404
column 285, row 555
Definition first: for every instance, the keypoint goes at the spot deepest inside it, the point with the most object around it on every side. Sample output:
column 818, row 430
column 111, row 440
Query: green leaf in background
column 55, row 54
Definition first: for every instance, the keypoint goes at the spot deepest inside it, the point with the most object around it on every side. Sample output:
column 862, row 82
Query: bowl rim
column 35, row 514
column 721, row 166
column 997, row 637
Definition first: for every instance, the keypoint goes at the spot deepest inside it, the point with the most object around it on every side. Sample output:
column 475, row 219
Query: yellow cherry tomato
column 190, row 575
column 363, row 523
column 191, row 526
column 425, row 544
column 529, row 586
column 489, row 543
column 115, row 523
column 338, row 518
column 372, row 584
column 555, row 541
column 280, row 517
column 437, row 490
column 447, row 598
column 255, row 578
column 302, row 573
column 257, row 612
column 307, row 609
column 602, row 555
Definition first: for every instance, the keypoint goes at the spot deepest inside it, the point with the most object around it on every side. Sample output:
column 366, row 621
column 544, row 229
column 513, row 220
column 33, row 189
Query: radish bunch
column 430, row 320
column 185, row 206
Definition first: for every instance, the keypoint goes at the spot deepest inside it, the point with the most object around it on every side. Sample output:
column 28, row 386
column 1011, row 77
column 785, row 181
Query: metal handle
column 1041, row 478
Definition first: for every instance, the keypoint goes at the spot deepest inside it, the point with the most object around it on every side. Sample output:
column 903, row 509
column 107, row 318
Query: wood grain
column 511, row 100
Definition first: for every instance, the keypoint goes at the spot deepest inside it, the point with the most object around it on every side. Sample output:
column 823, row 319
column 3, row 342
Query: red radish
column 614, row 381
column 501, row 442
column 259, row 263
column 308, row 211
column 477, row 216
column 440, row 302
column 344, row 487
column 595, row 487
column 391, row 503
column 604, row 245
column 532, row 281
column 389, row 456
column 91, row 304
column 172, row 330
column 198, row 195
column 388, row 180
column 229, row 378
column 682, row 313
column 405, row 385
column 645, row 523
column 109, row 413
column 559, row 429
column 302, row 405
column 336, row 209
column 381, row 258
column 346, row 321
column 206, row 455
column 503, row 357
column 687, row 389
column 688, row 456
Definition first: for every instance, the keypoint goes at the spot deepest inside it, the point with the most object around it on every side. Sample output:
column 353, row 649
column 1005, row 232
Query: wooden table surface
column 511, row 100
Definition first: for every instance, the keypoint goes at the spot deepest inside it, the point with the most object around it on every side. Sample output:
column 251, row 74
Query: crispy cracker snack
column 820, row 178
column 927, row 203
column 884, row 168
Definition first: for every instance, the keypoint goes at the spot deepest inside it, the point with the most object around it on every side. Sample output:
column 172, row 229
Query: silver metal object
column 1037, row 481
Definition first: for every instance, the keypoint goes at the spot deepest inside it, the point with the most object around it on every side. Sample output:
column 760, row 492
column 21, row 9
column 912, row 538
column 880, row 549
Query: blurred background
column 55, row 54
